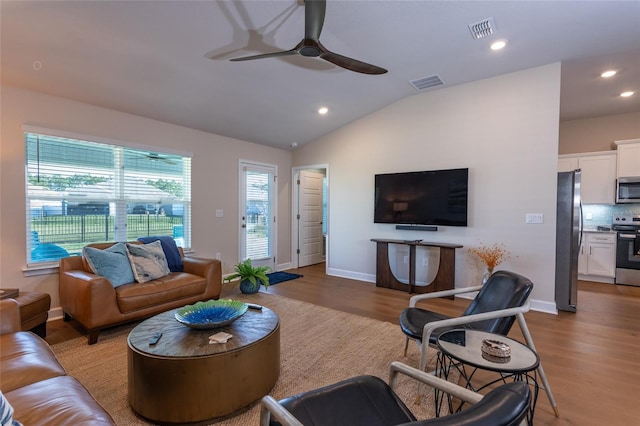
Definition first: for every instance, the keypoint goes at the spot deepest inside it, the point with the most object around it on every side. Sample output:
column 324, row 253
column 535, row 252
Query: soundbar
column 417, row 227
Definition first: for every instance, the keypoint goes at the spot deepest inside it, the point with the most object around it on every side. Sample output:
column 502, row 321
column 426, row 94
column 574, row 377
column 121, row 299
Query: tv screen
column 436, row 197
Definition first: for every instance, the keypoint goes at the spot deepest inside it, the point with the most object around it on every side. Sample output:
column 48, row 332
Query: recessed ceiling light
column 323, row 110
column 627, row 94
column 500, row 44
column 607, row 74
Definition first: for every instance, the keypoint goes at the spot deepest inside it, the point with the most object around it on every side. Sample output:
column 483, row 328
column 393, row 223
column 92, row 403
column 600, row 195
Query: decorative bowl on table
column 496, row 351
column 211, row 314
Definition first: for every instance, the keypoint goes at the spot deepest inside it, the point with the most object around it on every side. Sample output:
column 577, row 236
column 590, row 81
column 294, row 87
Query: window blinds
column 79, row 192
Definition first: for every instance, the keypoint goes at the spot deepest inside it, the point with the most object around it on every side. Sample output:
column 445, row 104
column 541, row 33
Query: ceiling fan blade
column 351, row 64
column 310, row 46
column 314, row 11
column 266, row 55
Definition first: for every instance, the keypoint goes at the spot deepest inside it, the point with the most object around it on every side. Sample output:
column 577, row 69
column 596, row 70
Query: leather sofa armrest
column 211, row 269
column 71, row 263
column 87, row 297
column 197, row 266
column 9, row 317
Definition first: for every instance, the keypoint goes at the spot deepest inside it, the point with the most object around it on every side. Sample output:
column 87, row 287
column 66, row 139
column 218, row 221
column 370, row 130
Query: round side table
column 460, row 348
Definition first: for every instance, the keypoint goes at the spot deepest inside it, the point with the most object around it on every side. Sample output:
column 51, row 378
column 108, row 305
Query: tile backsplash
column 602, row 214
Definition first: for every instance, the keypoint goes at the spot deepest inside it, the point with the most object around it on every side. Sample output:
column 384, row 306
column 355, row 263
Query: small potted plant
column 250, row 276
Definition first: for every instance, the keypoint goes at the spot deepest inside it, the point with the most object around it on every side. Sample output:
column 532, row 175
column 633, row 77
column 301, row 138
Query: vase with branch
column 491, row 256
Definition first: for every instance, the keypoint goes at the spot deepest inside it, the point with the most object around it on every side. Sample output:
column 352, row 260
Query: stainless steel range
column 627, row 249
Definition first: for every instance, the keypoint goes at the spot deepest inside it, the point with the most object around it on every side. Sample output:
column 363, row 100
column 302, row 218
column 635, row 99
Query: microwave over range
column 628, row 190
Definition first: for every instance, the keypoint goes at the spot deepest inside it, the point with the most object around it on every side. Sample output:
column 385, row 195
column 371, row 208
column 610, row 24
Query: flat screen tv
column 432, row 197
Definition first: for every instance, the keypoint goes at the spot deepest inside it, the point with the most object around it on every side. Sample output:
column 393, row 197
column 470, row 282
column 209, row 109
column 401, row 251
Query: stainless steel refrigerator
column 568, row 240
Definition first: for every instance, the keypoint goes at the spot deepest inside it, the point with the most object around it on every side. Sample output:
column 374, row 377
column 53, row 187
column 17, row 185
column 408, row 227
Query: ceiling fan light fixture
column 314, row 13
column 323, row 110
column 608, row 73
column 627, row 94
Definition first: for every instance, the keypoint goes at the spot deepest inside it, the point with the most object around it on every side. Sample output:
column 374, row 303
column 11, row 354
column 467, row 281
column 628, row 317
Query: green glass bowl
column 211, row 314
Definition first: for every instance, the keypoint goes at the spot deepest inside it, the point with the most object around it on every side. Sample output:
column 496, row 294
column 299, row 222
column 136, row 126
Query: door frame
column 294, row 212
column 273, row 208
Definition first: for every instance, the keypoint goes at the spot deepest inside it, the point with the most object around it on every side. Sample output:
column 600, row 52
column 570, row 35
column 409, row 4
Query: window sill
column 45, row 268
column 48, row 268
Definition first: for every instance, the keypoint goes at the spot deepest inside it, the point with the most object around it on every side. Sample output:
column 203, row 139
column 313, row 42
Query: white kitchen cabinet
column 598, row 185
column 628, row 158
column 567, row 164
column 582, row 257
column 597, row 259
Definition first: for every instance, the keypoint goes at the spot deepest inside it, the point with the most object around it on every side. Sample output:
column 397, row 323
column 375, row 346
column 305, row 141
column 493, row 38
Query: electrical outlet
column 218, row 256
column 535, row 218
column 424, row 261
column 219, row 213
column 406, row 259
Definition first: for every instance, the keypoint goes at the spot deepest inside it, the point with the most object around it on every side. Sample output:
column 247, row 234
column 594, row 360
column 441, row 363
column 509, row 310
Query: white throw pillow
column 148, row 261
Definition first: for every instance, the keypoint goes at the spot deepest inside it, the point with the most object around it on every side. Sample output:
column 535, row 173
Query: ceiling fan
column 310, row 45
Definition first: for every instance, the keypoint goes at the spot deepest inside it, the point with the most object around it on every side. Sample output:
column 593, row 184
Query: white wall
column 598, row 133
column 214, row 177
column 504, row 129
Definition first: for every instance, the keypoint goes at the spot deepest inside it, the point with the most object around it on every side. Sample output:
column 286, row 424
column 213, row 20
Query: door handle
column 244, row 226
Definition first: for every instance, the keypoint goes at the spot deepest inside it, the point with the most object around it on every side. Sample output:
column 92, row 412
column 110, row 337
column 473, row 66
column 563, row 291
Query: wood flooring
column 591, row 358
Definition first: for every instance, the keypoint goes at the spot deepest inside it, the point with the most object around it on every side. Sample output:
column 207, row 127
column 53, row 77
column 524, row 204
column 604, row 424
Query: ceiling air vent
column 482, row 29
column 427, row 82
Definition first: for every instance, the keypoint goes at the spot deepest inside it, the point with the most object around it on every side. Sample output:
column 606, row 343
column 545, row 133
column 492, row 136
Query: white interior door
column 310, row 218
column 258, row 213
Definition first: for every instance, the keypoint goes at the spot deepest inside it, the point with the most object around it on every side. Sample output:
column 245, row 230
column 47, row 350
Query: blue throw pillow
column 111, row 263
column 171, row 252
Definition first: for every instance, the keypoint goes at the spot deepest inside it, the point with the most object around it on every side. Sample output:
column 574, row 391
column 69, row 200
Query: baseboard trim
column 351, row 275
column 284, row 266
column 536, row 305
column 55, row 314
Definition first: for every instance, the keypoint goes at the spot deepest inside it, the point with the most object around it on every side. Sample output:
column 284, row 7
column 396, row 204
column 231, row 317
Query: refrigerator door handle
column 581, row 226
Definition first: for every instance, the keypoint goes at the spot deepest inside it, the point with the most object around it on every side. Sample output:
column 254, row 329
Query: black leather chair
column 369, row 401
column 502, row 300
column 493, row 310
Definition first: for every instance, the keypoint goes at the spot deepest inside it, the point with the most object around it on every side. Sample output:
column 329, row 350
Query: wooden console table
column 445, row 277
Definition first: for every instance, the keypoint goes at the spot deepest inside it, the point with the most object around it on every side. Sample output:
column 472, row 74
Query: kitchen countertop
column 596, row 231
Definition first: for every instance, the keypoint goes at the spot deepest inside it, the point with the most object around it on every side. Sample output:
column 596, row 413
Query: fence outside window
column 81, row 192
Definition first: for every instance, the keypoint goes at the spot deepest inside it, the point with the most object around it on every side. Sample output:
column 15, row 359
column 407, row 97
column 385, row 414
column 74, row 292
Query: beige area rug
column 319, row 346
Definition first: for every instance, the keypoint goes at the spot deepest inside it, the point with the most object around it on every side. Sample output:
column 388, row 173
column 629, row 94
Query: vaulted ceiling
column 169, row 60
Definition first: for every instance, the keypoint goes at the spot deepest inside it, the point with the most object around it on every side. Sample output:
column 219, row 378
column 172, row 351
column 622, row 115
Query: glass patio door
column 257, row 213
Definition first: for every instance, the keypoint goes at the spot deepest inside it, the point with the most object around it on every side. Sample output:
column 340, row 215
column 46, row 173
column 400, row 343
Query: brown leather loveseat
column 35, row 384
column 96, row 304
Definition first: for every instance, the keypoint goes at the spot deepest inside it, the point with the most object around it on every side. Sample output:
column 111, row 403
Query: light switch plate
column 219, row 213
column 535, row 218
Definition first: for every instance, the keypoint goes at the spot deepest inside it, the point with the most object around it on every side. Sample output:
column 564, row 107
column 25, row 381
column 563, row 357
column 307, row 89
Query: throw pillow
column 174, row 260
column 111, row 263
column 148, row 261
column 6, row 413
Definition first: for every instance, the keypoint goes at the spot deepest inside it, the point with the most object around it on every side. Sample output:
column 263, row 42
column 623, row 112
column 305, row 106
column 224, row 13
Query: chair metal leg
column 406, row 345
column 527, row 336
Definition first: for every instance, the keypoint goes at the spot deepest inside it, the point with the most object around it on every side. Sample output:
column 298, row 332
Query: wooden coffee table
column 184, row 379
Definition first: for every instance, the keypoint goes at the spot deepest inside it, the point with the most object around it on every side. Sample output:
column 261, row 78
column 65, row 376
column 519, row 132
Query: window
column 81, row 192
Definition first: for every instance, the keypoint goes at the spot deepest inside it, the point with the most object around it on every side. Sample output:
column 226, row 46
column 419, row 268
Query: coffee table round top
column 179, row 340
column 465, row 346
